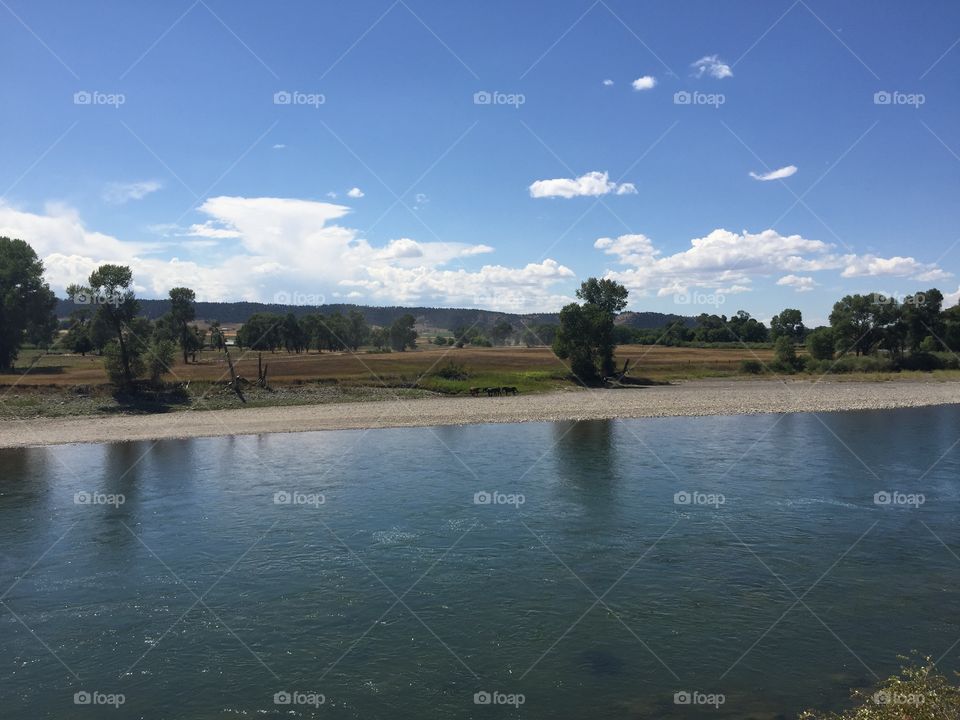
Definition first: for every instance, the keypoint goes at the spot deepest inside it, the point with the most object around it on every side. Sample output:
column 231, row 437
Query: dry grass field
column 650, row 362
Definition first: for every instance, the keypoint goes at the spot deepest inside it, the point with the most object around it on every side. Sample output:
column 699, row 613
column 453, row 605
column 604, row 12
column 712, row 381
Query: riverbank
column 700, row 397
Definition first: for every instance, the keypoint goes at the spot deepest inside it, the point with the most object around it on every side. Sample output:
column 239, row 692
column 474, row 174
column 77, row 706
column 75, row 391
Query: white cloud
column 608, row 82
column 797, row 282
column 647, row 82
column 289, row 245
column 332, row 195
column 119, row 193
column 590, row 184
column 279, row 146
column 778, row 174
column 713, row 66
column 355, row 193
column 724, row 259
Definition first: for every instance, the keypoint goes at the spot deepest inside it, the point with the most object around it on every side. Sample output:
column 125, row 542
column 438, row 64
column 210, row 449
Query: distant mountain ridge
column 447, row 318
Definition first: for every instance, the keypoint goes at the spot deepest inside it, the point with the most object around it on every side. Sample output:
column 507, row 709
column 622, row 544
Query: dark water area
column 754, row 565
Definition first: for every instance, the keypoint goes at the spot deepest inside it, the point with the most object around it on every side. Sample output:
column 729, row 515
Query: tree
column 357, row 330
column 784, row 351
column 261, row 331
column 218, row 340
column 182, row 313
column 923, row 318
column 501, row 331
column 26, row 301
column 586, row 336
column 821, row 344
column 117, row 306
column 744, row 328
column 789, row 323
column 292, row 334
column 160, row 357
column 380, row 338
column 853, row 320
column 402, row 334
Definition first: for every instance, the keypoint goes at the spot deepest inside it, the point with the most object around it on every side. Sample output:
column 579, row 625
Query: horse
column 509, row 390
column 491, row 391
column 475, row 391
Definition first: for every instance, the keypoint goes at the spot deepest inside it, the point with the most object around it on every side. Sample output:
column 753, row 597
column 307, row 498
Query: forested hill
column 447, row 318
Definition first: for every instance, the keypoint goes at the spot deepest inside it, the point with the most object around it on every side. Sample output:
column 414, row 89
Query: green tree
column 182, row 313
column 586, row 336
column 160, row 356
column 922, row 316
column 785, row 351
column 261, row 331
column 821, row 343
column 402, row 334
column 218, row 340
column 356, row 330
column 789, row 323
column 26, row 301
column 501, row 331
column 855, row 320
column 117, row 306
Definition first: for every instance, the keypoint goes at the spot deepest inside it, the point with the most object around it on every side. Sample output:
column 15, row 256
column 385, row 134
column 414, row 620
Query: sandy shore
column 702, row 397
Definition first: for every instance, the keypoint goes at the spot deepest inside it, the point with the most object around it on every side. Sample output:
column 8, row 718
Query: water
column 398, row 596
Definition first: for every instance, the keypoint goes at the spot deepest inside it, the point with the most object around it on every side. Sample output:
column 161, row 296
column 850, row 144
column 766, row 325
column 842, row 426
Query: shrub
column 820, row 344
column 452, row 371
column 918, row 692
column 751, row 367
column 923, row 361
column 160, row 355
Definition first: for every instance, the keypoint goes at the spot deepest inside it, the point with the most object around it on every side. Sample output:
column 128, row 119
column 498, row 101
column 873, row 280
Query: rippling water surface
column 399, row 595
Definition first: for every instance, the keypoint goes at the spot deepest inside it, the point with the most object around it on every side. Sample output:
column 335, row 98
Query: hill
column 447, row 318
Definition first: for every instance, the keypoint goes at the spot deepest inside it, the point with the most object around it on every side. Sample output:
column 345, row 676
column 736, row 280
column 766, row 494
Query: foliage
column 117, row 306
column 586, row 336
column 452, row 370
column 820, row 343
column 788, row 323
column 260, row 332
column 918, row 692
column 402, row 334
column 26, row 301
column 182, row 313
column 751, row 367
column 160, row 356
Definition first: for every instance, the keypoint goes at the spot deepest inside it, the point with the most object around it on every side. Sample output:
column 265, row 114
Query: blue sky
column 177, row 158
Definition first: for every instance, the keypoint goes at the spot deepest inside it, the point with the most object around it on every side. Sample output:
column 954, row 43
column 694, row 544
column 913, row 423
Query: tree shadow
column 148, row 400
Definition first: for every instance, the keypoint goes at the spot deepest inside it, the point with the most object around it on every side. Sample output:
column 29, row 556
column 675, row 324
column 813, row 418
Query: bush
column 751, row 367
column 923, row 361
column 851, row 363
column 820, row 344
column 160, row 355
column 918, row 692
column 113, row 362
column 452, row 371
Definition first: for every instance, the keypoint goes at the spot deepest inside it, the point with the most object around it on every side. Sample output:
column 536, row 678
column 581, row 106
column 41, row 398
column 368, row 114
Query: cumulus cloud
column 286, row 245
column 725, row 260
column 713, row 66
column 608, row 82
column 647, row 82
column 591, row 184
column 798, row 282
column 279, row 146
column 778, row 174
column 355, row 192
column 119, row 193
